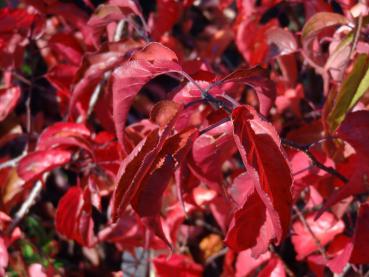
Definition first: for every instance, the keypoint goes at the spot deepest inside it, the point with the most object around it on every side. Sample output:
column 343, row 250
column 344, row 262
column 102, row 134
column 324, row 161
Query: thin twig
column 306, row 150
column 307, row 226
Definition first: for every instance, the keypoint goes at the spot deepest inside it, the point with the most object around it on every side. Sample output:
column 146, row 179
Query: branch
column 306, row 150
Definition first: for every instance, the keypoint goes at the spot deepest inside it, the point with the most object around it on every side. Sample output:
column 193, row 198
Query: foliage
column 189, row 138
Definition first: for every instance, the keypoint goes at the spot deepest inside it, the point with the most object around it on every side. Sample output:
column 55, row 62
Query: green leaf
column 353, row 88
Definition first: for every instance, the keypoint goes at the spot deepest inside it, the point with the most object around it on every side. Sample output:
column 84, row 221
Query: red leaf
column 73, row 217
column 320, row 21
column 64, row 129
column 360, row 240
column 8, row 100
column 260, row 147
column 355, row 130
column 61, row 76
column 257, row 78
column 144, row 156
column 94, row 66
column 358, row 184
column 339, row 262
column 167, row 14
column 15, row 19
column 191, row 92
column 274, row 268
column 246, row 264
column 281, row 42
column 176, row 265
column 147, row 175
column 37, row 270
column 32, row 166
column 132, row 171
column 65, row 134
column 241, row 234
column 128, row 231
column 324, row 229
column 147, row 202
column 251, row 40
column 133, row 75
column 164, row 112
column 106, row 13
column 67, row 47
column 4, row 257
column 209, row 152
